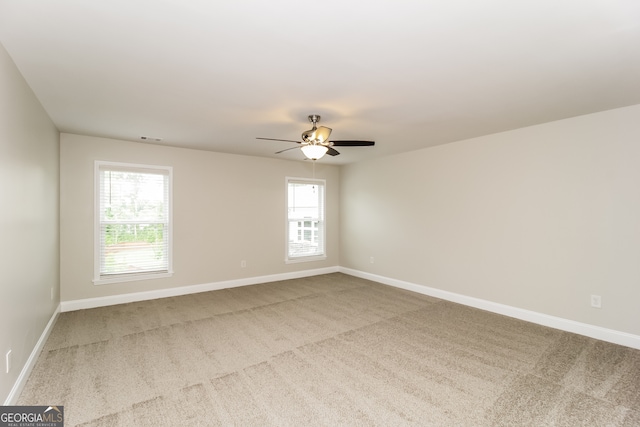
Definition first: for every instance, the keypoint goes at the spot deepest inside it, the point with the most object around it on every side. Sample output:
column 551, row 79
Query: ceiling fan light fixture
column 315, row 141
column 313, row 151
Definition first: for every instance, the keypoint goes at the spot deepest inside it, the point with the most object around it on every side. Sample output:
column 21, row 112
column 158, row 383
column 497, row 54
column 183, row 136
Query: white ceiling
column 215, row 75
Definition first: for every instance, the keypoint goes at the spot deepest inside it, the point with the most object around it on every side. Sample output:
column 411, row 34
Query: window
column 133, row 222
column 305, row 220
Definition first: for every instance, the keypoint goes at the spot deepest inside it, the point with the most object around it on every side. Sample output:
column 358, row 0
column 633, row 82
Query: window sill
column 305, row 259
column 131, row 278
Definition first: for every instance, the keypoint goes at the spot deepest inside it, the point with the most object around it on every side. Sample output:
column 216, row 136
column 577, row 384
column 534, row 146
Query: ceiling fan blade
column 283, row 140
column 352, row 143
column 322, row 133
column 286, row 149
column 332, row 152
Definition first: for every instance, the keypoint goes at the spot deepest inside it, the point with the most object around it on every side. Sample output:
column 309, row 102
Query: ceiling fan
column 315, row 141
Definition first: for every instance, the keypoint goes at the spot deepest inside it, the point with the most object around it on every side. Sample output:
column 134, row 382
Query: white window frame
column 99, row 279
column 322, row 232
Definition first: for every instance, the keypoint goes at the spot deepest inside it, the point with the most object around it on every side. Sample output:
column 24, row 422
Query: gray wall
column 537, row 218
column 226, row 208
column 29, row 247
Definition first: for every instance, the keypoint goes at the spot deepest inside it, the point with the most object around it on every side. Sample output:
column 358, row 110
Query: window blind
column 133, row 220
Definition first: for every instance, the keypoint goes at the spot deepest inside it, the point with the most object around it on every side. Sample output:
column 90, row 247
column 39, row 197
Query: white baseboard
column 185, row 290
column 31, row 361
column 597, row 332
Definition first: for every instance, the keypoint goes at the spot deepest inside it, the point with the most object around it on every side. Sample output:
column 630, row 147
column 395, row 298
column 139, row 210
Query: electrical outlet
column 8, row 361
column 596, row 301
column 243, row 264
column 371, row 260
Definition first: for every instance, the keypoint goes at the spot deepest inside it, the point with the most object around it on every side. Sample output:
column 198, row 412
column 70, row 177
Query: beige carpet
column 329, row 350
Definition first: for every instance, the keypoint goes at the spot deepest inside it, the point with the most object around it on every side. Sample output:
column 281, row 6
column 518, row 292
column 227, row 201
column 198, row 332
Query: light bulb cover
column 314, row 152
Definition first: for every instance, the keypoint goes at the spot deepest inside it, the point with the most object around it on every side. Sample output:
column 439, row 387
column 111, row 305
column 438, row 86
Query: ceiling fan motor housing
column 316, row 135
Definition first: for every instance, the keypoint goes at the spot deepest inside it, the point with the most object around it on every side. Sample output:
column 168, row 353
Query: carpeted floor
column 327, row 350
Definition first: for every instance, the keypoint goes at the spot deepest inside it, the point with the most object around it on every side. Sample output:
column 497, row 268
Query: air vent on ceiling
column 150, row 138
